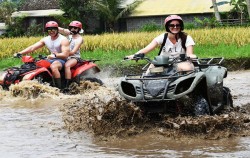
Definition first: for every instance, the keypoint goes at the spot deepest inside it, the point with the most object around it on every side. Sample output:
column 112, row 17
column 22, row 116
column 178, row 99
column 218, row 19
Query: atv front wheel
column 227, row 98
column 201, row 106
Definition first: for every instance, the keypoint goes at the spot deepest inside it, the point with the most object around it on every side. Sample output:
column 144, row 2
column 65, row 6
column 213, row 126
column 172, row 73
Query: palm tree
column 112, row 11
column 240, row 7
column 216, row 11
column 248, row 7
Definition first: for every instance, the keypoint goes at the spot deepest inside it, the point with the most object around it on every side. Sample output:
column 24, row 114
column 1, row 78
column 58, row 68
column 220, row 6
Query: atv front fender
column 131, row 89
column 32, row 74
column 215, row 76
column 188, row 84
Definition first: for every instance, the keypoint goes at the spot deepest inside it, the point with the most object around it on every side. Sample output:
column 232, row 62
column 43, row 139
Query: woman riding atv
column 173, row 43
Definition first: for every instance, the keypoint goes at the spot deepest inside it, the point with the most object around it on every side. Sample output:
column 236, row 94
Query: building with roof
column 38, row 11
column 148, row 11
column 37, row 16
column 157, row 10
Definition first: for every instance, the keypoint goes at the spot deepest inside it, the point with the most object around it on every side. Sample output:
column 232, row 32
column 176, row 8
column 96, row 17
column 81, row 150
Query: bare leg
column 55, row 67
column 148, row 70
column 70, row 63
column 185, row 66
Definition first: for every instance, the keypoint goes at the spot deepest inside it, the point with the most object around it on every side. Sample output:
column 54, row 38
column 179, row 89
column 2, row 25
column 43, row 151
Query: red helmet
column 76, row 24
column 171, row 18
column 51, row 24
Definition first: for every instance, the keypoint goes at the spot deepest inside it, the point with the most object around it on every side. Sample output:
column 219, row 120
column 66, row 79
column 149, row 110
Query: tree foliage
column 76, row 9
column 112, row 10
column 239, row 9
column 6, row 9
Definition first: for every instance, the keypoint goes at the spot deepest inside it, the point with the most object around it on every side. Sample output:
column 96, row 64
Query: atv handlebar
column 141, row 56
column 136, row 57
column 17, row 55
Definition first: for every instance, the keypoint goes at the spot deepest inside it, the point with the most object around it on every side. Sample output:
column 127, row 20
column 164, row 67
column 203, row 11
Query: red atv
column 39, row 68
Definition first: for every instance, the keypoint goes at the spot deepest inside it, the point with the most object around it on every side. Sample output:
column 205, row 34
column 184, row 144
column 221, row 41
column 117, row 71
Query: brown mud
column 104, row 114
column 100, row 111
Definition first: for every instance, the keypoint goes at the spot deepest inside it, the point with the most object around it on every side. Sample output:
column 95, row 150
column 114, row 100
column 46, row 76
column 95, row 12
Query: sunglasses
column 173, row 25
column 51, row 29
column 73, row 27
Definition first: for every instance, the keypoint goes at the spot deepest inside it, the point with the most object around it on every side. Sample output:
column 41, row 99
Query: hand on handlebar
column 17, row 55
column 192, row 56
column 51, row 56
column 135, row 56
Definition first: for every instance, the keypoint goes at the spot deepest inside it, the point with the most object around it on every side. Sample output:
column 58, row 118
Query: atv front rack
column 151, row 77
column 208, row 61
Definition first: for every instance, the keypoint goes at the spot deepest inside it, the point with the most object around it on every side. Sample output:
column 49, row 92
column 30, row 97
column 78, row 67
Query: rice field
column 231, row 39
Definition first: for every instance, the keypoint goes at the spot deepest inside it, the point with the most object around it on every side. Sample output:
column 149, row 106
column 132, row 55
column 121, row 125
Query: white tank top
column 72, row 45
column 54, row 45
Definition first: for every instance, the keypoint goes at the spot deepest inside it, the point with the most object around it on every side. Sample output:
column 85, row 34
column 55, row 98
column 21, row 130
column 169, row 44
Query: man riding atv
column 58, row 46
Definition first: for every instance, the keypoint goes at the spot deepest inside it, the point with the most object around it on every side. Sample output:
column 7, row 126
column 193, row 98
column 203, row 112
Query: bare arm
column 65, row 51
column 190, row 52
column 151, row 46
column 63, row 31
column 78, row 44
column 33, row 47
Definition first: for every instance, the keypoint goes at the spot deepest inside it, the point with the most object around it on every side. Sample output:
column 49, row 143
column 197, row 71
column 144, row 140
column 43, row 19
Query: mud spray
column 100, row 111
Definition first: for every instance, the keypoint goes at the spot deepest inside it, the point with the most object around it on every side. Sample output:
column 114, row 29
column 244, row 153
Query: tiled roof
column 39, row 5
column 166, row 7
column 37, row 13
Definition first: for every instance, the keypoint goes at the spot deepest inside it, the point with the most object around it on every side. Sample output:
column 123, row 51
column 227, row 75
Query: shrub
column 149, row 27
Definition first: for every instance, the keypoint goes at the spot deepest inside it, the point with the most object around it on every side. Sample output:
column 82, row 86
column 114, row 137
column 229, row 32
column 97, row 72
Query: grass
column 230, row 43
column 115, row 58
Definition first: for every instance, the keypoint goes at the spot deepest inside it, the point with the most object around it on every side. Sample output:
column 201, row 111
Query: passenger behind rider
column 58, row 46
column 76, row 40
column 173, row 47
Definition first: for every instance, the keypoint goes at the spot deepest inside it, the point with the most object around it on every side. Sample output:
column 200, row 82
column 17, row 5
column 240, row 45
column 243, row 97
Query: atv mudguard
column 85, row 70
column 188, row 84
column 32, row 74
column 214, row 78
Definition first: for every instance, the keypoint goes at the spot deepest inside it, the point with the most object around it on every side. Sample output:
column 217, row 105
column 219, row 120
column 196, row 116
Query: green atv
column 164, row 89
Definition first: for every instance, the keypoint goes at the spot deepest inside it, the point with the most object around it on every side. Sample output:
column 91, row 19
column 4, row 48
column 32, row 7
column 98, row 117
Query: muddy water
column 38, row 121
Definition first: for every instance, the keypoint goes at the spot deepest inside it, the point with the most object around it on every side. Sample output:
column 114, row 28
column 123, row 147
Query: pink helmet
column 76, row 24
column 51, row 24
column 171, row 18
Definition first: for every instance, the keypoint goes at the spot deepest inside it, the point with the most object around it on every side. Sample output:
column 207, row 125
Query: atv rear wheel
column 201, row 106
column 93, row 79
column 39, row 79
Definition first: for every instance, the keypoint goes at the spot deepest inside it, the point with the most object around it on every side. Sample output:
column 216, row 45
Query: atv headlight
column 155, row 70
column 128, row 89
